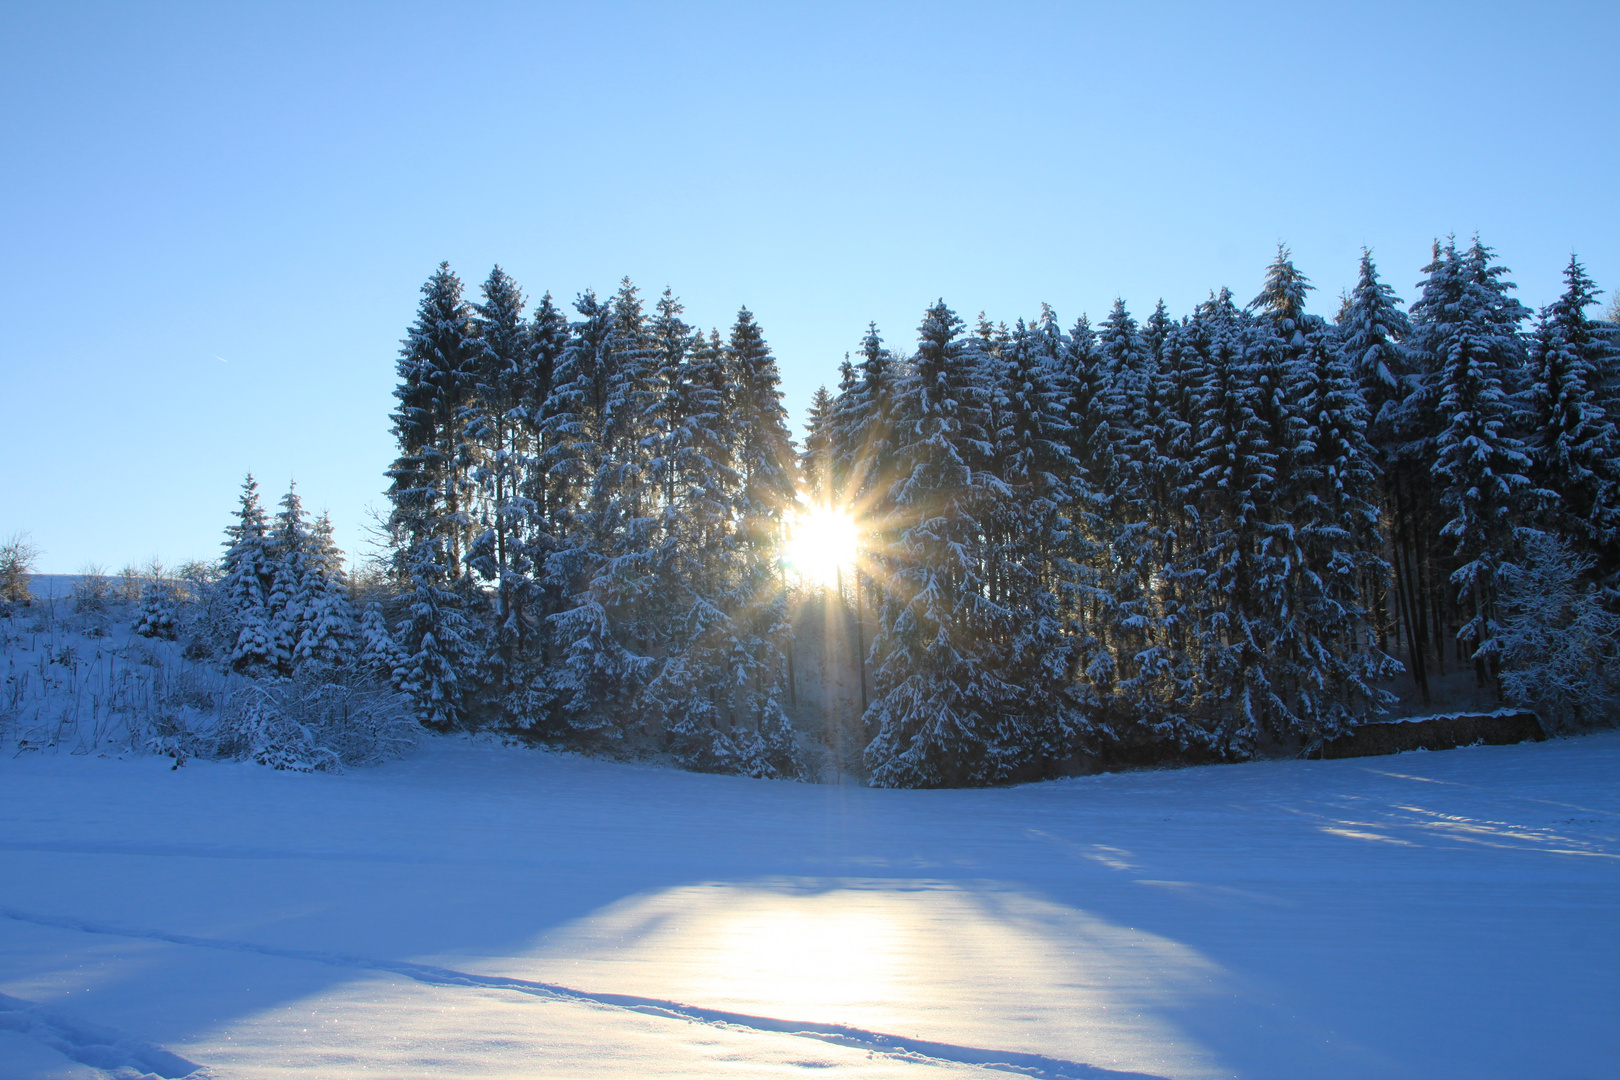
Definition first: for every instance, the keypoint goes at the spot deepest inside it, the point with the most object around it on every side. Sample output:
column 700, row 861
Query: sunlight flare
column 821, row 541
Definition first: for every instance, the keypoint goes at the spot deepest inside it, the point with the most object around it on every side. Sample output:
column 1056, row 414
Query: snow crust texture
column 478, row 911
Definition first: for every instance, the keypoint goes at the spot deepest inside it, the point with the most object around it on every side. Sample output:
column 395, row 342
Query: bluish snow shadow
column 90, row 1044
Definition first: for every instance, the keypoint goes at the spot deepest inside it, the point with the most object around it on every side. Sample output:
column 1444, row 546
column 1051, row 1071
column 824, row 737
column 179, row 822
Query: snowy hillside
column 478, row 911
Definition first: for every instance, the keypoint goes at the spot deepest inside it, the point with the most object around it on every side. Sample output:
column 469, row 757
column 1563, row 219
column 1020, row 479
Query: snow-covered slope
column 478, row 911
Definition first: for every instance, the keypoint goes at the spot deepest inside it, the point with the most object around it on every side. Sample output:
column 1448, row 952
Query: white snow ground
column 479, row 911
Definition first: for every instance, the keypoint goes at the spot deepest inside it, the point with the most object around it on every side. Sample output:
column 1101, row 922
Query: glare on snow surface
column 481, row 911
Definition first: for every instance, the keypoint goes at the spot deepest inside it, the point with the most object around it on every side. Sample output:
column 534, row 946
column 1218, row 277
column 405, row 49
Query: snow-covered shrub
column 1560, row 646
column 17, row 555
column 127, row 585
column 93, row 591
column 315, row 725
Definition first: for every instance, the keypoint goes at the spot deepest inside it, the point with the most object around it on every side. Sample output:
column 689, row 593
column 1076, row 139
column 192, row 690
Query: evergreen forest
column 1186, row 538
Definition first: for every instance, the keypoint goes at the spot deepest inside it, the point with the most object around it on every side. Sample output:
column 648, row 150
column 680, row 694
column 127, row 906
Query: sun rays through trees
column 1032, row 549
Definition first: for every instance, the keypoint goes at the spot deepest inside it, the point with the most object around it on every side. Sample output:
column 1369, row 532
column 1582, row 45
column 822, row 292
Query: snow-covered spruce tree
column 691, row 696
column 1574, row 446
column 1166, row 690
column 1126, row 569
column 1333, row 665
column 438, row 377
column 498, row 424
column 1559, row 644
column 1479, row 462
column 840, row 441
column 247, row 573
column 1083, row 382
column 429, row 521
column 381, row 658
column 1276, row 360
column 1157, row 330
column 284, row 609
column 158, row 615
column 1236, row 467
column 545, row 492
column 329, row 637
column 668, row 401
column 1032, row 565
column 1282, row 302
column 435, row 638
column 1315, row 423
column 939, row 687
column 594, row 420
column 1372, row 330
column 864, row 421
column 1407, row 445
column 760, row 663
column 816, row 459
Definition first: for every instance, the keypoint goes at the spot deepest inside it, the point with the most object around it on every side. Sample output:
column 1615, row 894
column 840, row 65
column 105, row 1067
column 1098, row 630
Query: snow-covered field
column 480, row 911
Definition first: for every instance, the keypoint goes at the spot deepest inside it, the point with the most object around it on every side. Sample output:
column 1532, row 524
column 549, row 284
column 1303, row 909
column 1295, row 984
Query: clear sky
column 216, row 217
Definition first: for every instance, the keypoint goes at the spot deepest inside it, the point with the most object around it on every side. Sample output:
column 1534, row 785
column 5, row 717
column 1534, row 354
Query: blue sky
column 217, row 217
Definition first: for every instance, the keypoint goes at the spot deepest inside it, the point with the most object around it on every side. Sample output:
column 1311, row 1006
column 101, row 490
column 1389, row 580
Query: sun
column 821, row 541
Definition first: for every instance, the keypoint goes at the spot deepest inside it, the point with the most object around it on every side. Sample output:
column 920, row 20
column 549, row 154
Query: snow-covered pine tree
column 864, row 427
column 1426, row 604
column 862, row 435
column 1166, row 690
column 816, row 459
column 1372, row 331
column 1278, row 342
column 1089, row 408
column 1372, row 328
column 691, row 698
column 1043, row 721
column 1332, row 664
column 1236, row 467
column 329, row 638
column 381, row 657
column 1083, row 381
column 1157, row 330
column 435, row 639
column 500, row 426
column 1128, row 567
column 1282, row 302
column 840, row 443
column 1481, row 465
column 761, row 658
column 667, row 398
column 591, row 419
column 284, row 608
column 668, row 423
column 1574, row 447
column 545, row 492
column 939, row 687
column 247, row 573
column 437, row 377
column 429, row 522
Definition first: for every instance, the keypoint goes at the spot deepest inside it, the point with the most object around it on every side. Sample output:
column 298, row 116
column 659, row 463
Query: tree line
column 1179, row 538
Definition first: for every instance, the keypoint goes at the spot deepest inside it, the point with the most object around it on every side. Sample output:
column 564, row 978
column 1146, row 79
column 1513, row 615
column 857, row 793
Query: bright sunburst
column 820, row 541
